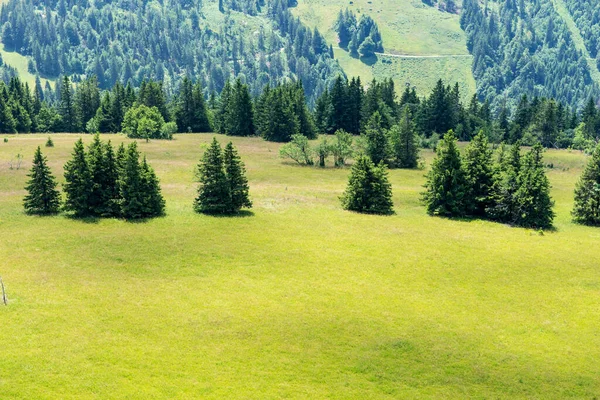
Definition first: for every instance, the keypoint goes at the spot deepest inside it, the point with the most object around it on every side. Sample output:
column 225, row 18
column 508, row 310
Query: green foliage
column 323, row 150
column 104, row 176
column 298, row 149
column 404, row 147
column 361, row 37
column 368, row 190
column 342, row 148
column 504, row 207
column 236, row 177
column 140, row 195
column 49, row 142
column 543, row 60
column 144, row 122
column 223, row 184
column 214, row 192
column 479, row 171
column 533, row 196
column 377, row 142
column 191, row 112
column 42, row 197
column 447, row 187
column 587, row 193
column 78, row 185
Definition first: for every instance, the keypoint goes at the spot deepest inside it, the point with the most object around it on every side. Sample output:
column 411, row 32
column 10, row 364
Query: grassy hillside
column 408, row 27
column 19, row 62
column 298, row 300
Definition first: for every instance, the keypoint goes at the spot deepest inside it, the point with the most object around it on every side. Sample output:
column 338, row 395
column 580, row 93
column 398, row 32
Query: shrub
column 298, row 150
column 144, row 123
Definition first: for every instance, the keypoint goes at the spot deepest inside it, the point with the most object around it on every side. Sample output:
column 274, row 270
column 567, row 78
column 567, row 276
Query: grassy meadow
column 298, row 299
column 408, row 27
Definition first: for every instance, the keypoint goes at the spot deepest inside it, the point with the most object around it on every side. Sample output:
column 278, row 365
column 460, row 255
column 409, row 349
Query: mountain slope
column 411, row 31
column 132, row 41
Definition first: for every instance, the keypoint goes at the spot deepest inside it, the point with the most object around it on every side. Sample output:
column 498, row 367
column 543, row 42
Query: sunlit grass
column 299, row 300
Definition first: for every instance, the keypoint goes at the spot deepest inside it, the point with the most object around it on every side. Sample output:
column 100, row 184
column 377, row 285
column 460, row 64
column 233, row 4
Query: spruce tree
column 377, row 144
column 214, row 195
column 403, row 142
column 154, row 204
column 447, row 186
column 78, row 183
column 503, row 207
column 42, row 197
column 533, row 196
column 112, row 197
column 236, row 177
column 368, row 190
column 587, row 193
column 133, row 204
column 479, row 171
column 239, row 119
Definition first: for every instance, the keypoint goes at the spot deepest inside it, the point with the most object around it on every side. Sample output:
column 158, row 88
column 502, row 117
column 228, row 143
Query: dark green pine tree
column 447, row 186
column 67, row 111
column 111, row 182
column 240, row 118
column 587, row 193
column 377, row 144
column 104, row 115
column 42, row 197
column 214, row 196
column 479, row 169
column 78, row 183
column 506, row 174
column 131, row 185
column 223, row 109
column 403, row 142
column 533, row 196
column 368, row 190
column 154, row 203
column 236, row 177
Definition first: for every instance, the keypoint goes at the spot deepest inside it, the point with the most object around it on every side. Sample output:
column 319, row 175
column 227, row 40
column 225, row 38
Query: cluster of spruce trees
column 360, row 36
column 223, row 184
column 512, row 189
column 99, row 182
column 349, row 106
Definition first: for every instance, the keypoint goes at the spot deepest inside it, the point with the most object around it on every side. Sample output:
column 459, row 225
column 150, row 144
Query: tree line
column 279, row 112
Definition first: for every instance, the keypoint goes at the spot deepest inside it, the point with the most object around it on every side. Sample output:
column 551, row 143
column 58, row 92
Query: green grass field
column 299, row 300
column 408, row 27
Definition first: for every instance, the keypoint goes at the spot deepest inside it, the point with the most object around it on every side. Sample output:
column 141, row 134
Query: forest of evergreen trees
column 524, row 47
column 280, row 112
column 129, row 42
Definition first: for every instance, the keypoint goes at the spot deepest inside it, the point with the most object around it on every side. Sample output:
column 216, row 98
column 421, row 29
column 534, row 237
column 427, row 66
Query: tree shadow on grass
column 370, row 60
column 84, row 219
column 239, row 214
column 552, row 229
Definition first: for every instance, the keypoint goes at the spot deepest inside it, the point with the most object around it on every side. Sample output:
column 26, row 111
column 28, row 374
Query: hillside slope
column 412, row 33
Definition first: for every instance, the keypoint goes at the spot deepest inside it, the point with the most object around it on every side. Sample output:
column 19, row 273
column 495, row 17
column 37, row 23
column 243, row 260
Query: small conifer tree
column 214, row 194
column 369, row 190
column 236, row 176
column 587, row 193
column 403, row 142
column 42, row 197
column 533, row 196
column 131, row 186
column 447, row 187
column 479, row 170
column 503, row 207
column 154, row 204
column 377, row 144
column 78, row 183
